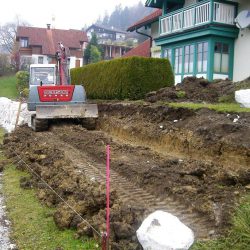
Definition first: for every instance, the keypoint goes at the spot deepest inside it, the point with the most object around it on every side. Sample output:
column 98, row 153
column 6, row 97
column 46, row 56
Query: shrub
column 22, row 80
column 25, row 92
column 124, row 78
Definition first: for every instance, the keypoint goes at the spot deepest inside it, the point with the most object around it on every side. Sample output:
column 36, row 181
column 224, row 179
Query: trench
column 193, row 164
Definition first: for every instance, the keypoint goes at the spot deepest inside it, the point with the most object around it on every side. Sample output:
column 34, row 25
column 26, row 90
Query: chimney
column 48, row 26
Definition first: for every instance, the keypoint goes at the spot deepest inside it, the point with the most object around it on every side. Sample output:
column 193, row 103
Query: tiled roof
column 49, row 38
column 146, row 20
column 142, row 49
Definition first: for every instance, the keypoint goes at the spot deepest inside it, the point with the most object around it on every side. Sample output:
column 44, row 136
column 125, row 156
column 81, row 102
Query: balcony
column 205, row 12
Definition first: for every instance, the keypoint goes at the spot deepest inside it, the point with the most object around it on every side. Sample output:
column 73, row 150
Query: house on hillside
column 105, row 34
column 39, row 45
column 113, row 41
column 200, row 38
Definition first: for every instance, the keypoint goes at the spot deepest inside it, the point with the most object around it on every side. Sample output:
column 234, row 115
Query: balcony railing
column 195, row 15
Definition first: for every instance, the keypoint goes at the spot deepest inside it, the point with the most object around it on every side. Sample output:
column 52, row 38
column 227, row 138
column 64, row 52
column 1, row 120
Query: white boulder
column 243, row 97
column 164, row 231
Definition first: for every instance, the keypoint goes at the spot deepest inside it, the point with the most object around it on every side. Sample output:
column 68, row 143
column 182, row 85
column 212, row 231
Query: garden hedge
column 22, row 81
column 125, row 78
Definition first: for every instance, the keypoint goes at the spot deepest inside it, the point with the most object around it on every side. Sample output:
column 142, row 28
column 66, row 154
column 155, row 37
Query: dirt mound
column 87, row 197
column 194, row 89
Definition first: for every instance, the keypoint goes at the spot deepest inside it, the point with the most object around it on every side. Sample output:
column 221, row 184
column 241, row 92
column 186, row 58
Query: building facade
column 39, row 45
column 200, row 38
column 104, row 34
column 112, row 41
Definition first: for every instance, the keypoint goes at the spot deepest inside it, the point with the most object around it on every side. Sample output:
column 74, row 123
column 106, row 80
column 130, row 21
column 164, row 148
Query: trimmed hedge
column 125, row 78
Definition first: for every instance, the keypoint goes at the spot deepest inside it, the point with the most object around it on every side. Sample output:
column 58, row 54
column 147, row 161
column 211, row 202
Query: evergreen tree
column 87, row 52
column 95, row 54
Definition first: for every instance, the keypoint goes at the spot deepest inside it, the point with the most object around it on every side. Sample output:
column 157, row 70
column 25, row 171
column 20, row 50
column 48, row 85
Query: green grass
column 239, row 236
column 32, row 223
column 220, row 107
column 8, row 87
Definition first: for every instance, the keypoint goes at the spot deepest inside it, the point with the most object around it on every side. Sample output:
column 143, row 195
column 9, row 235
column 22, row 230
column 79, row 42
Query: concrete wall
column 242, row 49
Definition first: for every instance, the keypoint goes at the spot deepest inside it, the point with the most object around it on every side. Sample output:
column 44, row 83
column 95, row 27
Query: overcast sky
column 71, row 14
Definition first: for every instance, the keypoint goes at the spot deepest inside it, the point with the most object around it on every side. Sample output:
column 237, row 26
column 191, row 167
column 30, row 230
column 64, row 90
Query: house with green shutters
column 201, row 38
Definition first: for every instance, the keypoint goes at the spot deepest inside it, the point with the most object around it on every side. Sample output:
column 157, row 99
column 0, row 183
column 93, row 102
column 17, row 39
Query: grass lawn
column 8, row 87
column 32, row 223
column 239, row 236
column 220, row 107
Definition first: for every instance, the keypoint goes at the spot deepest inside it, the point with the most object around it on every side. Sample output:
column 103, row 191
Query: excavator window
column 42, row 74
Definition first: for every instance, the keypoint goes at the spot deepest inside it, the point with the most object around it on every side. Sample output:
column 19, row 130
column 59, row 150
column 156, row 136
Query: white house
column 200, row 38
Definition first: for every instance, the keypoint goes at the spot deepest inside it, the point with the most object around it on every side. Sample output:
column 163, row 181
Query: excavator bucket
column 79, row 111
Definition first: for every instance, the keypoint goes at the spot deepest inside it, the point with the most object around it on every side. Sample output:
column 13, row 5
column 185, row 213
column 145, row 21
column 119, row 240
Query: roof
column 146, row 20
column 49, row 38
column 142, row 49
column 106, row 28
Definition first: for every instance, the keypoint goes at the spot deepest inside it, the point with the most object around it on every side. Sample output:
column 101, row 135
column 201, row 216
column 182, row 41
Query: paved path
column 5, row 243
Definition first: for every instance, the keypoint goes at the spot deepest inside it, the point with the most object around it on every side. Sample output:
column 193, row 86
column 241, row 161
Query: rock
column 243, row 97
column 163, row 231
column 247, row 187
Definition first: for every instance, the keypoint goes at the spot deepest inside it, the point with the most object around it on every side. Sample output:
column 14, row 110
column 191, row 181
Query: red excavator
column 52, row 96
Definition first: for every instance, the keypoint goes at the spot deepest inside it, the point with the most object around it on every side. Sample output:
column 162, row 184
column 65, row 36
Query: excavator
column 52, row 96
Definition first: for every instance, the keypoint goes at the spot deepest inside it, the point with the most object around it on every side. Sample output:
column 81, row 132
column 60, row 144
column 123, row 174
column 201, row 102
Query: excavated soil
column 194, row 89
column 194, row 164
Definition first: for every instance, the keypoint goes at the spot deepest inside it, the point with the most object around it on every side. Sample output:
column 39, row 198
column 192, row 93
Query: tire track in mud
column 128, row 192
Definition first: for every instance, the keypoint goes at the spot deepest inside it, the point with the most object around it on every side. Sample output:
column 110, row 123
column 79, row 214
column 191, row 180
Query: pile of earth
column 193, row 89
column 48, row 165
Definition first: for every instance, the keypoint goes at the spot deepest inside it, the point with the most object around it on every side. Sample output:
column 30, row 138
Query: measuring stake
column 108, row 193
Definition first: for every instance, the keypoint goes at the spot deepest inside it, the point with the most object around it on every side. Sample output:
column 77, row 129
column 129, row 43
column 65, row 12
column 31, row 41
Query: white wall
column 242, row 49
column 177, row 79
column 155, row 51
column 35, row 59
column 220, row 76
column 73, row 62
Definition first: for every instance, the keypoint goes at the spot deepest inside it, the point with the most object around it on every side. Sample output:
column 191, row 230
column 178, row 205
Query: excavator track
column 39, row 125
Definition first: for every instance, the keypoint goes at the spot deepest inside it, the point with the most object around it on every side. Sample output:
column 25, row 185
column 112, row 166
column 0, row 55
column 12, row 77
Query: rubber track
column 130, row 194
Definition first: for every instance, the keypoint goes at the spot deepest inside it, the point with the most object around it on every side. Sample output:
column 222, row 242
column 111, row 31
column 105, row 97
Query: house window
column 202, row 57
column 168, row 54
column 189, row 59
column 221, row 58
column 40, row 60
column 178, row 61
column 24, row 42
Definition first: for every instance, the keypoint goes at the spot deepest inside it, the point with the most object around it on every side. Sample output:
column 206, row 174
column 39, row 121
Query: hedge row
column 125, row 78
column 23, row 83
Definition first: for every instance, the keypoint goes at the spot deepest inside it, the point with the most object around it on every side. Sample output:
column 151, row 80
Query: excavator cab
column 43, row 74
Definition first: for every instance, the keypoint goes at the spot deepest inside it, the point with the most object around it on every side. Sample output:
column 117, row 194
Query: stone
column 164, row 231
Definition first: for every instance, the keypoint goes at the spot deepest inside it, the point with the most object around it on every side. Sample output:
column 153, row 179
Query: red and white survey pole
column 105, row 237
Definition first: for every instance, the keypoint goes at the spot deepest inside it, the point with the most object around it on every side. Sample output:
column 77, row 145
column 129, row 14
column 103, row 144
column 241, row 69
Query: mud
column 198, row 161
column 194, row 89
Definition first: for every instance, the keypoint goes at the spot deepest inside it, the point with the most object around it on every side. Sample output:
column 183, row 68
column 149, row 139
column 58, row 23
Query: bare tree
column 8, row 34
column 8, row 42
